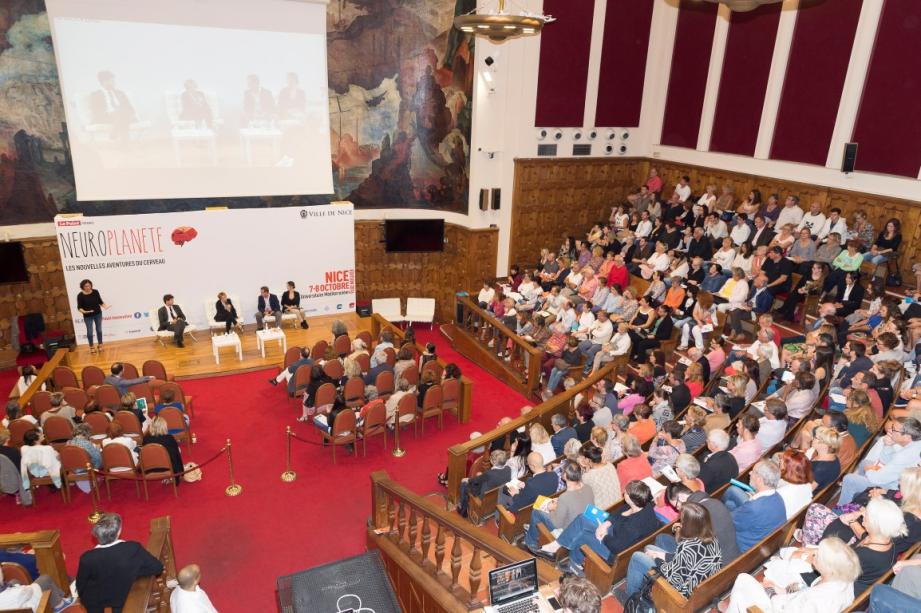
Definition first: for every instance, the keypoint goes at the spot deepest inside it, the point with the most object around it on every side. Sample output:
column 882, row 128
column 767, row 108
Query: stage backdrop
column 133, row 260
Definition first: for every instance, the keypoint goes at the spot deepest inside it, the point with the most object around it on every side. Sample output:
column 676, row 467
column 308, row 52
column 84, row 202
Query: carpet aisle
column 243, row 544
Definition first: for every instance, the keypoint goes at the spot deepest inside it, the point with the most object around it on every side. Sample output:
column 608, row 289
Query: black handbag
column 641, row 600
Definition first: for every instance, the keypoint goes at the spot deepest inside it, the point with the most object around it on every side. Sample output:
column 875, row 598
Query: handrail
column 526, row 370
column 457, row 454
column 378, row 323
column 49, row 556
column 151, row 593
column 43, row 375
column 396, row 516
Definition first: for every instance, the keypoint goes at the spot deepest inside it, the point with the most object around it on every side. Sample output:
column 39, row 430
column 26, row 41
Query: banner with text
column 133, row 260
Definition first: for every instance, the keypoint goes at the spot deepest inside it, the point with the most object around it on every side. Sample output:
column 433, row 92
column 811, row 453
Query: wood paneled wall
column 469, row 257
column 879, row 209
column 558, row 197
column 44, row 293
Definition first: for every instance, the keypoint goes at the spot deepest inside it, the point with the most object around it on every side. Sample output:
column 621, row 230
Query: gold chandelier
column 499, row 25
column 742, row 6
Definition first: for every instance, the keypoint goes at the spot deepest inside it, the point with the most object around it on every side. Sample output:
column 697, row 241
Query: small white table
column 226, row 340
column 271, row 334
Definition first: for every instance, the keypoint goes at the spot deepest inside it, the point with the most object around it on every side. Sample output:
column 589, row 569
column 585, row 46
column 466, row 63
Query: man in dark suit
column 681, row 394
column 720, row 466
column 696, row 355
column 562, row 432
column 498, row 474
column 194, row 105
column 759, row 301
column 107, row 572
column 762, row 234
column 110, row 105
column 699, row 246
column 172, row 318
column 849, row 295
column 543, row 482
column 661, row 331
column 258, row 102
column 267, row 306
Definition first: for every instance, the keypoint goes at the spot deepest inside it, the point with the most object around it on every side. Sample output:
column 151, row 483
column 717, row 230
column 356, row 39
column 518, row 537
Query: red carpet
column 272, row 528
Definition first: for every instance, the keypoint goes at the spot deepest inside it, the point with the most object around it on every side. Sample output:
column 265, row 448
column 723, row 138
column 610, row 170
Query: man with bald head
column 542, row 483
column 189, row 597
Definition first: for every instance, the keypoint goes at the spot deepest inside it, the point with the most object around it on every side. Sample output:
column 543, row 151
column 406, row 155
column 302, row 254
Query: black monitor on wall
column 414, row 235
column 13, row 268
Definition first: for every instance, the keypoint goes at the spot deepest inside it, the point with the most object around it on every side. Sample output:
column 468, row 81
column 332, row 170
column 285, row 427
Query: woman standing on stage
column 90, row 304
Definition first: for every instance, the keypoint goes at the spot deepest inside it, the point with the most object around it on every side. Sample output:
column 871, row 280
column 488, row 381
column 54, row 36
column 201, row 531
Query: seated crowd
column 35, row 450
column 794, row 402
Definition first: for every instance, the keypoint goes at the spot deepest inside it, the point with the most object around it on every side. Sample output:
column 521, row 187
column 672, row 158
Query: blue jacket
column 273, row 303
column 764, row 302
column 757, row 518
column 559, row 439
column 543, row 484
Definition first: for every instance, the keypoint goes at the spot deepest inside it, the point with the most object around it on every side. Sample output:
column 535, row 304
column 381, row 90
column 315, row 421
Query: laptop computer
column 512, row 588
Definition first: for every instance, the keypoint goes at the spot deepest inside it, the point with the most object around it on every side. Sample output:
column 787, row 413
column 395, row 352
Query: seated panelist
column 172, row 318
column 291, row 303
column 267, row 306
column 225, row 311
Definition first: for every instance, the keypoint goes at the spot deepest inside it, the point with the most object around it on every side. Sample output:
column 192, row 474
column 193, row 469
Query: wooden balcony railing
column 43, row 375
column 483, row 338
column 542, row 413
column 434, row 556
column 46, row 544
column 379, row 323
column 150, row 594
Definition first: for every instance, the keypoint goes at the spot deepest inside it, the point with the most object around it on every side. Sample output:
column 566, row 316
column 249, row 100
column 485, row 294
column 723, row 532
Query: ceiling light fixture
column 499, row 25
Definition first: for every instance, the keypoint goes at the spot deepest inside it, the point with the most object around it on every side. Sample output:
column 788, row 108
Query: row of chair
column 107, row 396
column 117, row 462
column 92, row 375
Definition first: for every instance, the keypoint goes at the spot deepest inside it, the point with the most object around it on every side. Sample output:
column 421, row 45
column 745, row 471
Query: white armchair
column 421, row 310
column 388, row 308
column 162, row 334
column 211, row 311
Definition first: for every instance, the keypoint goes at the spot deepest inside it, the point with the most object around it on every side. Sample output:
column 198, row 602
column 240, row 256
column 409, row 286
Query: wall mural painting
column 400, row 103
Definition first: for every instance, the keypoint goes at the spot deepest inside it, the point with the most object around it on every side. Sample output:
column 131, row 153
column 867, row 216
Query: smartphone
column 555, row 603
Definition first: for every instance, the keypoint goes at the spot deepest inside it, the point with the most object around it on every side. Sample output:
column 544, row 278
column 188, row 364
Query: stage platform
column 197, row 358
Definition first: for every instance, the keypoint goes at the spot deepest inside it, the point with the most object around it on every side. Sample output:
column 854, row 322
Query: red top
column 620, row 276
column 633, row 469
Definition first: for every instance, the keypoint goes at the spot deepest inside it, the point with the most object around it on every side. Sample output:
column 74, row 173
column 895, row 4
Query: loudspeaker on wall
column 496, row 197
column 484, row 199
column 850, row 157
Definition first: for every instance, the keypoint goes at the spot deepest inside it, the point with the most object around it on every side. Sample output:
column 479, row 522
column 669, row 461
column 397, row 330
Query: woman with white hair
column 831, row 592
column 540, row 442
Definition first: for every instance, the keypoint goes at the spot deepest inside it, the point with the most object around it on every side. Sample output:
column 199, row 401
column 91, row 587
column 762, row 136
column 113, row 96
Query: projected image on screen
column 169, row 100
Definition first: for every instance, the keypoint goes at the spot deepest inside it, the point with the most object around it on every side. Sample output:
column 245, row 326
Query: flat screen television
column 13, row 267
column 414, row 235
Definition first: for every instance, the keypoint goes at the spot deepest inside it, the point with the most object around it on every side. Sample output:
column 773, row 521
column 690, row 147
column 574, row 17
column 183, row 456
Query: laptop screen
column 512, row 582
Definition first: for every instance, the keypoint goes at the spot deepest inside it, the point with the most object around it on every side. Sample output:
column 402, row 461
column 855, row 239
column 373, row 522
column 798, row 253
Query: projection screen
column 194, row 98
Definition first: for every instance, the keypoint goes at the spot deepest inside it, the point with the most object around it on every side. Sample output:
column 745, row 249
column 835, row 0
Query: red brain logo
column 183, row 234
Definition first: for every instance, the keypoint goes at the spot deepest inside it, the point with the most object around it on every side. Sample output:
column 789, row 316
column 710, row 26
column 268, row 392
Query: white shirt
column 724, row 258
column 22, row 386
column 42, row 455
column 828, row 227
column 847, row 292
column 643, row 229
column 21, row 597
column 813, row 222
column 771, row 432
column 707, row 200
column 568, row 318
column 718, row 229
column 755, row 352
column 684, row 191
column 620, row 344
column 574, row 278
column 795, row 497
column 601, row 331
column 745, row 263
column 739, row 293
column 545, row 450
column 586, row 320
column 740, row 233
column 195, row 601
column 487, row 294
column 789, row 215
column 659, row 261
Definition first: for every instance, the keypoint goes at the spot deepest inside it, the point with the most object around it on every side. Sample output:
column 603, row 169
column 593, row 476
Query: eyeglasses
column 894, row 430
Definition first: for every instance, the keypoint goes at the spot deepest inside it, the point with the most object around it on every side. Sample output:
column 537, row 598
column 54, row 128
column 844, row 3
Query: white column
column 717, row 53
column 658, row 71
column 778, row 73
column 861, row 52
column 594, row 63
